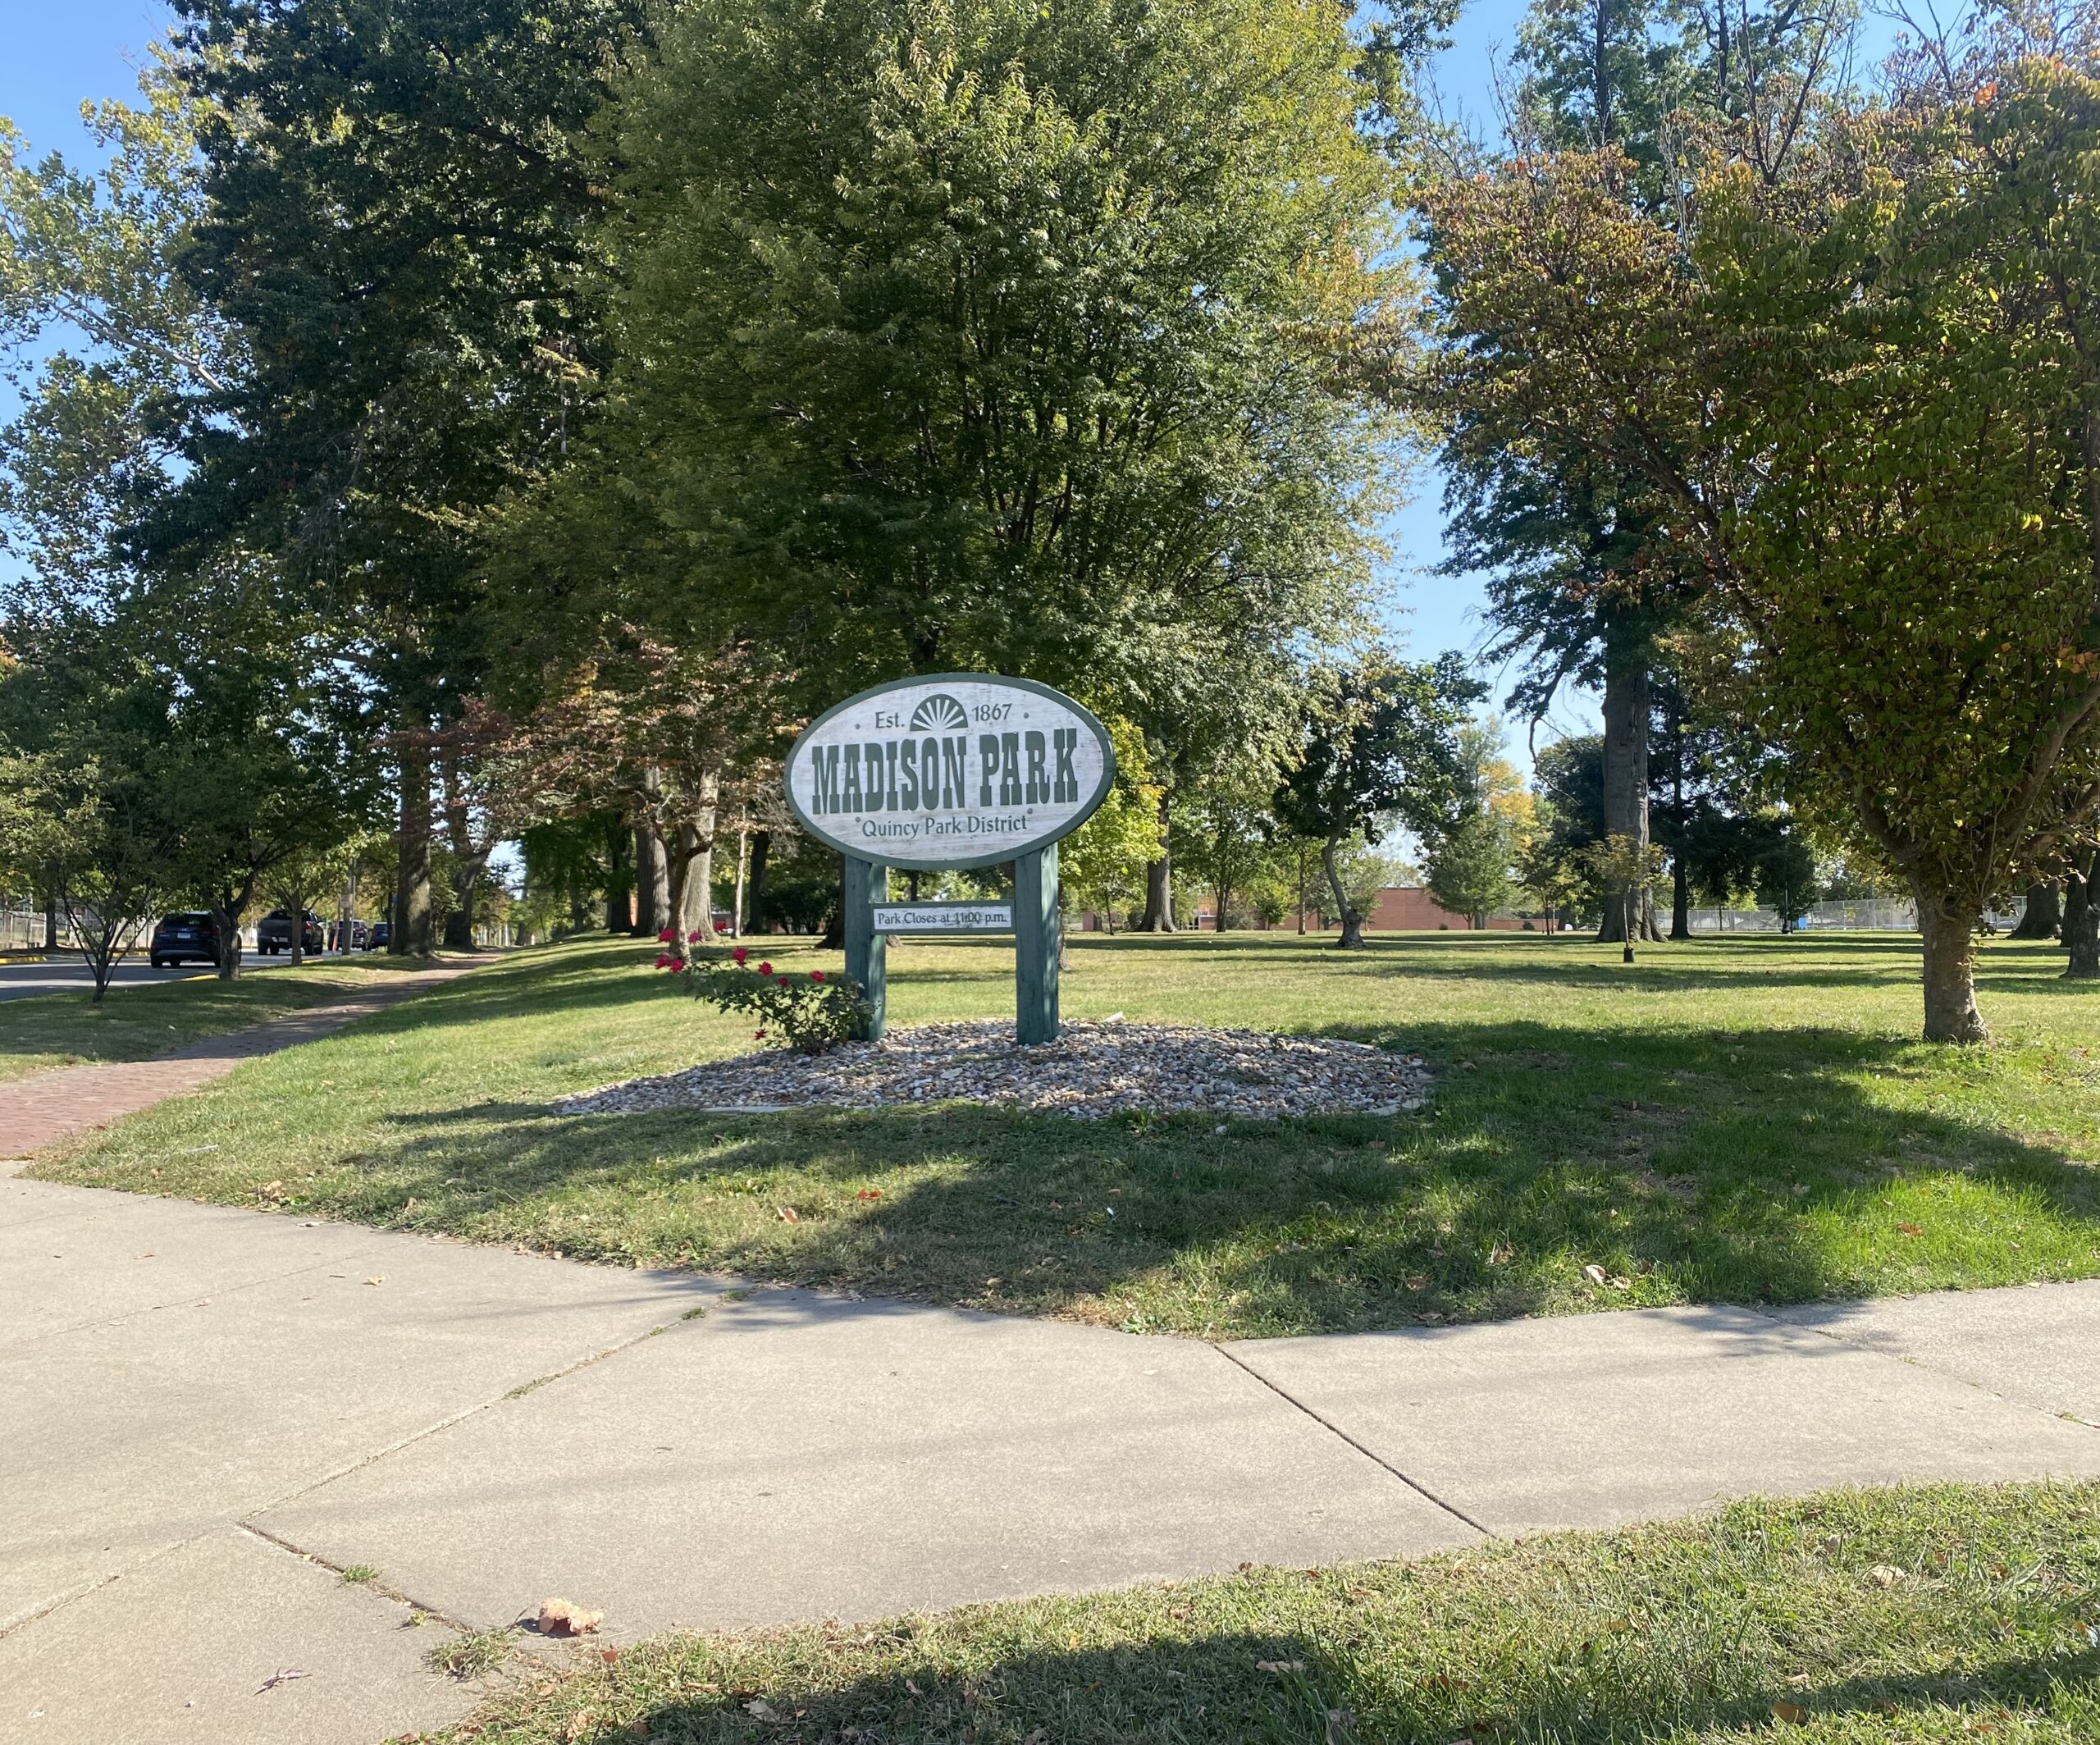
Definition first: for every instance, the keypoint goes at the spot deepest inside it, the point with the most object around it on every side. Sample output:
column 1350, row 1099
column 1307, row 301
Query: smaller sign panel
column 944, row 917
column 958, row 769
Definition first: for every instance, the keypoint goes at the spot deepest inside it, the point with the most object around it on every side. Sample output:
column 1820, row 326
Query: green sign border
column 881, row 855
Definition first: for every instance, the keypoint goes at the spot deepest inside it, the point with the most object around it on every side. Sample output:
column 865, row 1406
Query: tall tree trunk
column 696, row 907
column 411, row 936
column 619, row 879
column 652, row 893
column 2044, row 914
column 51, row 918
column 346, row 919
column 227, row 911
column 2081, row 922
column 743, row 873
column 1626, row 773
column 297, row 907
column 1351, row 938
column 1680, row 899
column 1159, row 877
column 1948, row 931
column 762, row 855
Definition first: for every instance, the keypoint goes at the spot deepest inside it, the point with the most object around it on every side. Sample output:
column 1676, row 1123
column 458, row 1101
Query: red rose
column 667, row 934
column 738, row 955
column 758, row 1035
column 765, row 969
column 664, row 960
column 816, row 974
column 696, row 934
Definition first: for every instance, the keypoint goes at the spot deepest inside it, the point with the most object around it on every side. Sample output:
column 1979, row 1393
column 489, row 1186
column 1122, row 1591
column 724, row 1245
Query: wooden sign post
column 961, row 770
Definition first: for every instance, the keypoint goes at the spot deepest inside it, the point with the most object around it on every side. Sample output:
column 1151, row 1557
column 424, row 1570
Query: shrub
column 809, row 1013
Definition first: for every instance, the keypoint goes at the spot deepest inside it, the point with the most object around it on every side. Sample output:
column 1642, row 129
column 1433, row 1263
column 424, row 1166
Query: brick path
column 46, row 1107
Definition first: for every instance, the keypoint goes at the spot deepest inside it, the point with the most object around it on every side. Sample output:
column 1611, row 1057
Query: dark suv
column 273, row 932
column 180, row 938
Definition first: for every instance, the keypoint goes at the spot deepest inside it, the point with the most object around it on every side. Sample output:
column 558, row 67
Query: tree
column 1224, row 835
column 1585, row 577
column 1913, row 361
column 1018, row 336
column 1102, row 865
column 399, row 217
column 1378, row 744
column 84, row 779
column 1865, row 405
column 1622, row 868
column 1469, row 867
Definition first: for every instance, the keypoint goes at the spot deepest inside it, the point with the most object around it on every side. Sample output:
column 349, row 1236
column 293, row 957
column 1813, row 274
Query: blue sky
column 62, row 51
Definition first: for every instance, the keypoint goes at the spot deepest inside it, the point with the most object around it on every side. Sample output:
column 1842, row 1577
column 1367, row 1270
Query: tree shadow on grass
column 1747, row 1166
column 1333, row 1684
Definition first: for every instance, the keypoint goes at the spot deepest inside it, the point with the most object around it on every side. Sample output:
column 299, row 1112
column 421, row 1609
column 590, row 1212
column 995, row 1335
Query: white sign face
column 943, row 917
column 961, row 770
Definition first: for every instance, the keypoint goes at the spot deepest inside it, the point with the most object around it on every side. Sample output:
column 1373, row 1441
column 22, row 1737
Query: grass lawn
column 1735, row 1120
column 1937, row 1615
column 136, row 1021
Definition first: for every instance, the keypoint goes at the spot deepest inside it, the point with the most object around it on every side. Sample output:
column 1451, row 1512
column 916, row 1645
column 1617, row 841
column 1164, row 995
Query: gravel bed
column 1092, row 1070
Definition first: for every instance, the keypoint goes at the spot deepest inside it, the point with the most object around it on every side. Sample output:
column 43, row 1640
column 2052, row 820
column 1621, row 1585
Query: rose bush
column 808, row 1013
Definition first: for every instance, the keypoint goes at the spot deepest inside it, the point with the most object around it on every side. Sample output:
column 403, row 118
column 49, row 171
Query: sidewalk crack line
column 1377, row 1459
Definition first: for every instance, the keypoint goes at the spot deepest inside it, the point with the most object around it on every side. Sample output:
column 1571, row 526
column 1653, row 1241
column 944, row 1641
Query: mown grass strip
column 1923, row 1616
column 1731, row 1119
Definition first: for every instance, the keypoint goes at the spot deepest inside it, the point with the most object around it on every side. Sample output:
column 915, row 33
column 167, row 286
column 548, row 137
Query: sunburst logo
column 938, row 713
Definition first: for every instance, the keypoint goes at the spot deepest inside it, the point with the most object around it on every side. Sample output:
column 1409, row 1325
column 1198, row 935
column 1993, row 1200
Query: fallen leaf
column 1501, row 1254
column 1279, row 1665
column 282, row 1675
column 1792, row 1713
column 376, row 1278
column 912, row 1686
column 563, row 1618
column 1041, row 1736
column 271, row 1190
column 609, row 1655
column 1594, row 1274
column 869, row 1194
column 788, row 1215
column 1886, row 1575
column 759, row 1709
column 579, row 1724
column 1417, row 1282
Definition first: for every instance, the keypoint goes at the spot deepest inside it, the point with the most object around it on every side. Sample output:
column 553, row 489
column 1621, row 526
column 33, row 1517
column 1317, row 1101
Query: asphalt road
column 19, row 980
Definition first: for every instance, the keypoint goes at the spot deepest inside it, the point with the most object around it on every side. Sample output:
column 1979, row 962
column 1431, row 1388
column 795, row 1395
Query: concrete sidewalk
column 206, row 1415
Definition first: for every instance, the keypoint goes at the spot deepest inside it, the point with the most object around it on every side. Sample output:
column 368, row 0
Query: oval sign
column 959, row 769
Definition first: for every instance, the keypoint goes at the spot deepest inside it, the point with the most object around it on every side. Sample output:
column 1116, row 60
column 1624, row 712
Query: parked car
column 381, row 936
column 360, row 935
column 273, row 932
column 193, row 933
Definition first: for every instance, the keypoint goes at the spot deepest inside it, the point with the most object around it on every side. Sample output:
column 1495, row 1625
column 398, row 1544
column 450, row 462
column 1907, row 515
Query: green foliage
column 1009, row 333
column 810, row 1011
column 1471, row 867
column 90, row 260
column 1378, row 745
column 1916, row 374
column 1101, row 864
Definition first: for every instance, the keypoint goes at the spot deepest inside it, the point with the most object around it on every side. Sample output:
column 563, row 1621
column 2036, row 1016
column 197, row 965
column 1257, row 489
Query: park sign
column 958, row 770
